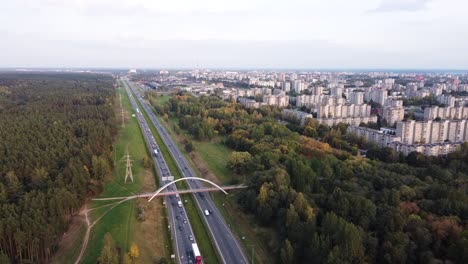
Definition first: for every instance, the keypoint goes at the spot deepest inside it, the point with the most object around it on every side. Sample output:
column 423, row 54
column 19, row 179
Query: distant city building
column 447, row 100
column 316, row 90
column 393, row 111
column 289, row 114
column 343, row 110
column 298, row 86
column 377, row 96
column 431, row 113
column 286, row 86
column 387, row 139
column 309, row 101
column 357, row 98
column 393, row 114
column 412, row 132
column 435, row 149
column 381, row 137
column 278, row 100
column 354, row 121
column 249, row 103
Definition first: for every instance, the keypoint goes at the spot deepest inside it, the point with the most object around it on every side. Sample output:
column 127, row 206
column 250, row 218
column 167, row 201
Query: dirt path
column 85, row 211
column 67, row 246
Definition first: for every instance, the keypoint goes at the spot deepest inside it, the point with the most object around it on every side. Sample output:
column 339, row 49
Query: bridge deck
column 165, row 193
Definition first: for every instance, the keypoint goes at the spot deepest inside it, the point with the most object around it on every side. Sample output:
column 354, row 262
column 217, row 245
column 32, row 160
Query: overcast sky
column 309, row 34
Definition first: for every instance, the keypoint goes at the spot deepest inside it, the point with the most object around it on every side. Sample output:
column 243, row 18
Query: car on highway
column 191, row 238
column 207, row 213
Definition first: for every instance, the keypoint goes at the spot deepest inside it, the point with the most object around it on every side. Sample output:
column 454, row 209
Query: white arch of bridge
column 185, row 179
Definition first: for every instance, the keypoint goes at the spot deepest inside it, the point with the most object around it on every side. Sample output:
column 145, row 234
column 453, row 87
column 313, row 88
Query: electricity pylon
column 128, row 170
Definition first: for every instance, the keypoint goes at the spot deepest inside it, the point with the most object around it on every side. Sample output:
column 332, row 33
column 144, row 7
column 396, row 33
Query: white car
column 207, row 213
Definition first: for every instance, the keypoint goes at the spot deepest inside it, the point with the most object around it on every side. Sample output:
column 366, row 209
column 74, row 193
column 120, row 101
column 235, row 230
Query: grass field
column 200, row 231
column 121, row 222
column 214, row 156
column 162, row 99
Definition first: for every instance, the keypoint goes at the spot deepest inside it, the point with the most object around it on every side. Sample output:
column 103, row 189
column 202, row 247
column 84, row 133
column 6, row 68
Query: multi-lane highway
column 181, row 229
column 227, row 245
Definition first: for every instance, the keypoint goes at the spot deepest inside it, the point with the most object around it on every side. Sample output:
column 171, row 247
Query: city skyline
column 370, row 34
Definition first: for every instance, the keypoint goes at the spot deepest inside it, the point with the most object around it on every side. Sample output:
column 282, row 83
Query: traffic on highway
column 181, row 230
column 225, row 242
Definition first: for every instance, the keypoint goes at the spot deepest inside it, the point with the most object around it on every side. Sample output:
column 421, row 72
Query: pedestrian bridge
column 161, row 192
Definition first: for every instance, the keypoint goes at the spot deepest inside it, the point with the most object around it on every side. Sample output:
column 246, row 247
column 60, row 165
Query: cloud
column 242, row 33
column 401, row 5
column 215, row 53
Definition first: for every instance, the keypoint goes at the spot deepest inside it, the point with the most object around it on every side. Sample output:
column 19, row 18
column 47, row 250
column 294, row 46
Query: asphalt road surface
column 181, row 230
column 227, row 245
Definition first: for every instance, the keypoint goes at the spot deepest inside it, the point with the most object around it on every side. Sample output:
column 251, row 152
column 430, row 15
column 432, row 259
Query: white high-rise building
column 377, row 96
column 388, row 139
column 337, row 91
column 446, row 99
column 298, row 86
column 393, row 111
column 343, row 110
column 412, row 132
column 286, row 86
column 280, row 100
column 459, row 112
column 357, row 98
column 393, row 114
column 316, row 90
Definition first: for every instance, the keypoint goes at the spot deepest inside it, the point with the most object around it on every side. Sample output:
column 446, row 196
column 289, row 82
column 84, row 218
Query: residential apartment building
column 289, row 114
column 431, row 113
column 249, row 103
column 354, row 121
column 376, row 95
column 280, row 100
column 316, row 90
column 309, row 101
column 357, row 98
column 384, row 139
column 380, row 137
column 435, row 149
column 343, row 110
column 393, row 111
column 413, row 132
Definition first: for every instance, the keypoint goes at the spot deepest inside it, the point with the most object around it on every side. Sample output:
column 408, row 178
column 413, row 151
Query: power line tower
column 122, row 110
column 128, row 170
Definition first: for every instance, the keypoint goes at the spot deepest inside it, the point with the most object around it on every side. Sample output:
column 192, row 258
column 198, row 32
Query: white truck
column 196, row 254
column 179, row 203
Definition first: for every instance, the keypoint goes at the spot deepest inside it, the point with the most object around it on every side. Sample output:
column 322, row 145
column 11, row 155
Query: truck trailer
column 196, row 254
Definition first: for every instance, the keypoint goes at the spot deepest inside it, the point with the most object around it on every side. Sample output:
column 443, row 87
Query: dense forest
column 326, row 202
column 56, row 134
